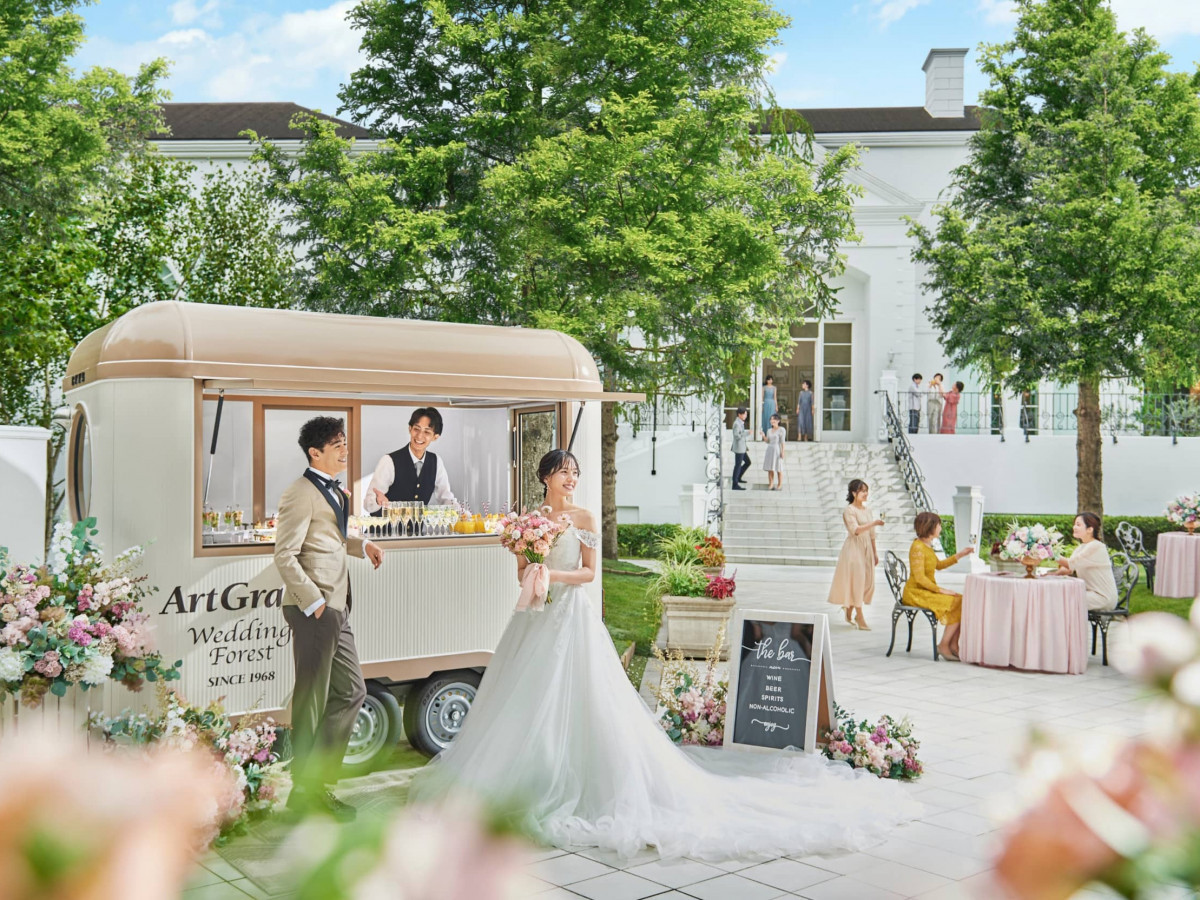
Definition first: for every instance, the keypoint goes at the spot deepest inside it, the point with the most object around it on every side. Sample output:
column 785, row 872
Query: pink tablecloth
column 1177, row 573
column 1030, row 623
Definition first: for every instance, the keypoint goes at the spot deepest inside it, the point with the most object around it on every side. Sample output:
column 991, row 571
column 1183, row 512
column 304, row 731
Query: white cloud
column 776, row 61
column 998, row 12
column 1165, row 19
column 300, row 56
column 888, row 11
column 186, row 12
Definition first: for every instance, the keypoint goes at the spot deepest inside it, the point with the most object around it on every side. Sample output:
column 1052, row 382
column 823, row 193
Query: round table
column 1039, row 624
column 1177, row 572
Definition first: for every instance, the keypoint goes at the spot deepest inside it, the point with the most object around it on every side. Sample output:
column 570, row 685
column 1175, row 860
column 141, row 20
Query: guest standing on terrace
column 804, row 412
column 768, row 405
column 854, row 578
column 950, row 413
column 934, row 405
column 914, row 404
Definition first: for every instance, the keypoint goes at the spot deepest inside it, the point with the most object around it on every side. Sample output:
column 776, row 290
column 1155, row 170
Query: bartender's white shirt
column 385, row 474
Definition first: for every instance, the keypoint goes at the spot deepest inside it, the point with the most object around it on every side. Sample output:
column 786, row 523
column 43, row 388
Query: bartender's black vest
column 408, row 485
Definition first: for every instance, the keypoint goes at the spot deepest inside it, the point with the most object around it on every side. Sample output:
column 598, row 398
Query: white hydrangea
column 62, row 548
column 11, row 667
column 96, row 668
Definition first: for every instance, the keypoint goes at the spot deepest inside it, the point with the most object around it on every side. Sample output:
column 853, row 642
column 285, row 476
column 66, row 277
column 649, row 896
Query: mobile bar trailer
column 183, row 435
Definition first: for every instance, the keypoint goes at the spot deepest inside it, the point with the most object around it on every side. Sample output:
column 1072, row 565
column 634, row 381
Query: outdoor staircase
column 802, row 524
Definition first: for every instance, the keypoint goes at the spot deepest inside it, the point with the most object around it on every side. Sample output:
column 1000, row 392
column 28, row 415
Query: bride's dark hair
column 553, row 462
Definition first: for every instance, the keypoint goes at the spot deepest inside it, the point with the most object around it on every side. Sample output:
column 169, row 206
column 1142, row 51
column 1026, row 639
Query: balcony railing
column 1043, row 413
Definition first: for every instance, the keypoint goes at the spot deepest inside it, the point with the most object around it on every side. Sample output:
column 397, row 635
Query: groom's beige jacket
column 310, row 552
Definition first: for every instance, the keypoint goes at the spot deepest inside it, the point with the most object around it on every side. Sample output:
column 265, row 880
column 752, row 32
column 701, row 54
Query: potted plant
column 680, row 547
column 696, row 607
column 711, row 553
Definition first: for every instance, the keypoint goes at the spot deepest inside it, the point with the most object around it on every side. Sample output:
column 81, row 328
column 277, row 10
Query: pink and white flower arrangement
column 1031, row 542
column 243, row 751
column 693, row 703
column 1184, row 510
column 531, row 534
column 886, row 748
column 75, row 621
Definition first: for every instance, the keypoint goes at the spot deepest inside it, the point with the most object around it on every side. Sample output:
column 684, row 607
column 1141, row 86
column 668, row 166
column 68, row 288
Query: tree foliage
column 1069, row 251
column 602, row 168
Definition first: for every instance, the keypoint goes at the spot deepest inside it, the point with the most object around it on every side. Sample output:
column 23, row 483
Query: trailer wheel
column 435, row 710
column 376, row 731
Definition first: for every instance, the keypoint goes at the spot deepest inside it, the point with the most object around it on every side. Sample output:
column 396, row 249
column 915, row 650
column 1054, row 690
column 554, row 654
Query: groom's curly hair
column 320, row 432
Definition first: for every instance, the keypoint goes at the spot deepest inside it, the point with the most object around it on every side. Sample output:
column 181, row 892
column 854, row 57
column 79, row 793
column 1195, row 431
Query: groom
column 310, row 553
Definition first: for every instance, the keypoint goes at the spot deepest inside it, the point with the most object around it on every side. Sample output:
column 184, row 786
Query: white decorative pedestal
column 968, row 523
column 694, row 622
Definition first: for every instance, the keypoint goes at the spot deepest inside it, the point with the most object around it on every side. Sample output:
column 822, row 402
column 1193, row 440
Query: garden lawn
column 1144, row 601
column 629, row 614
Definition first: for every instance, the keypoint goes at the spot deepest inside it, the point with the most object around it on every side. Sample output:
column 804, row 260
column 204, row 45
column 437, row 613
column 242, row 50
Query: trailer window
column 79, row 466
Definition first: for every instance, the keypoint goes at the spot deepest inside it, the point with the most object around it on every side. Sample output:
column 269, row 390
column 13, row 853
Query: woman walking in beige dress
column 854, row 578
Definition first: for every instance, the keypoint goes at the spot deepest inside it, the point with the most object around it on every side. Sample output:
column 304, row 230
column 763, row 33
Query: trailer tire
column 435, row 709
column 377, row 731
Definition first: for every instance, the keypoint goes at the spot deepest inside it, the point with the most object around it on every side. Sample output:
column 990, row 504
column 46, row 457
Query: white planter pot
column 694, row 622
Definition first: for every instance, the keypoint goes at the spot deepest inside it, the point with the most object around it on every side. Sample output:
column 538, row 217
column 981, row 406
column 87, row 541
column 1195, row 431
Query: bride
column 558, row 731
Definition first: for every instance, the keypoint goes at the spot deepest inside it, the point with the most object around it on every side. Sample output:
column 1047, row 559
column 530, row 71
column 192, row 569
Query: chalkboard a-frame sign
column 780, row 681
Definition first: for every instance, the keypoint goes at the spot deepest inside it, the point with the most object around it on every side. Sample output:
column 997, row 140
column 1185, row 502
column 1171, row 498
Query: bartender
column 412, row 472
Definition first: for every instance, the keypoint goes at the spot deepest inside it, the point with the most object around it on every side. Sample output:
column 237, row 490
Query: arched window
column 79, row 466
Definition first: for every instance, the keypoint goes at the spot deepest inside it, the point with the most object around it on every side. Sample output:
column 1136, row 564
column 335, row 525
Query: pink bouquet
column 531, row 535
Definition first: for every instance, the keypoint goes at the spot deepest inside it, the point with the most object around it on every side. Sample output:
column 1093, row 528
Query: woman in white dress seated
column 558, row 732
column 1090, row 562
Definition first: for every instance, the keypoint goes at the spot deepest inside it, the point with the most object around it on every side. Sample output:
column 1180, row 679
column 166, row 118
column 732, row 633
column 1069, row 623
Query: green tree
column 1069, row 251
column 602, row 168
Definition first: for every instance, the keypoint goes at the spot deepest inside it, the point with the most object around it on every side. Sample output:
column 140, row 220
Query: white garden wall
column 1141, row 474
column 23, row 489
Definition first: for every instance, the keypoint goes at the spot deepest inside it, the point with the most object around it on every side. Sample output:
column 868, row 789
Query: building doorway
column 822, row 354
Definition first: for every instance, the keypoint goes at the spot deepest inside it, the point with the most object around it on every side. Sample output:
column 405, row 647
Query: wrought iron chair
column 896, row 573
column 1130, row 538
column 1126, row 574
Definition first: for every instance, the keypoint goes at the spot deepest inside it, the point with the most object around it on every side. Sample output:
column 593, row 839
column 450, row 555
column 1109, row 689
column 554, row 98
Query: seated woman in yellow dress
column 922, row 589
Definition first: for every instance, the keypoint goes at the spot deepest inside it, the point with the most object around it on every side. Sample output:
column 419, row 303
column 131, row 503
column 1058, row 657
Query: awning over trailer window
column 289, row 351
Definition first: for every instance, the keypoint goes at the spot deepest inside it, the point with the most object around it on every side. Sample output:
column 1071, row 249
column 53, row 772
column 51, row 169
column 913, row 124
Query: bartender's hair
column 552, row 462
column 317, row 433
column 926, row 523
column 427, row 412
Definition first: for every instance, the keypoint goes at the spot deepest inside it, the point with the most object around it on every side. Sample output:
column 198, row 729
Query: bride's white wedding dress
column 558, row 730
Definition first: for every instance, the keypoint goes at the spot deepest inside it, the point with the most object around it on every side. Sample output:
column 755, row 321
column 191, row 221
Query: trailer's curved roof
column 276, row 349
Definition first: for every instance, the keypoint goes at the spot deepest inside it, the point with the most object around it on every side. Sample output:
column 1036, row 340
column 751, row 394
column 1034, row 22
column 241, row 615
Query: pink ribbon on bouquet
column 535, row 584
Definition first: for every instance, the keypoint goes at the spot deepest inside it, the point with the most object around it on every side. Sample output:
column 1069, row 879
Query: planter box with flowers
column 711, row 553
column 696, row 607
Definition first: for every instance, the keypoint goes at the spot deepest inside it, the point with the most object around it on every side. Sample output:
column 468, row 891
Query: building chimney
column 944, row 83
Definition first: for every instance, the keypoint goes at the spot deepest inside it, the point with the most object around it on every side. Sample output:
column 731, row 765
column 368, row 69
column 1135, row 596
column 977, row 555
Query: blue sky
column 854, row 53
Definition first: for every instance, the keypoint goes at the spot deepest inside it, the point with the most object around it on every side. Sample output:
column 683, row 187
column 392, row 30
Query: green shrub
column 679, row 547
column 996, row 525
column 679, row 579
column 638, row 541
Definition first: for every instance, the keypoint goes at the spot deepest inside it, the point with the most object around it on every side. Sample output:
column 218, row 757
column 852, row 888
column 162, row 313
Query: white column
column 890, row 385
column 23, row 487
column 968, row 523
column 1012, row 416
column 752, row 423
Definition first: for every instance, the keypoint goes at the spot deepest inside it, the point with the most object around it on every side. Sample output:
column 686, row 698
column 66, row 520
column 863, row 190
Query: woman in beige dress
column 854, row 578
column 1090, row 561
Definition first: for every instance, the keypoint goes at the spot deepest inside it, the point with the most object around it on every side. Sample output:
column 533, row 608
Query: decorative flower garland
column 887, row 748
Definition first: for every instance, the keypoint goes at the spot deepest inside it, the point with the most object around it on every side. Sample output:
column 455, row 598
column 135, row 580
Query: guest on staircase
column 773, row 457
column 922, row 589
column 854, row 578
column 741, row 454
column 804, row 412
column 769, row 406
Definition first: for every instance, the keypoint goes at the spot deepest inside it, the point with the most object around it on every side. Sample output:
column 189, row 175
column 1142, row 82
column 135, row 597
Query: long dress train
column 558, row 730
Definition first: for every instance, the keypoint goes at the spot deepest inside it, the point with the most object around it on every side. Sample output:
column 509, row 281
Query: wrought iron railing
column 714, row 466
column 1043, row 413
column 897, row 432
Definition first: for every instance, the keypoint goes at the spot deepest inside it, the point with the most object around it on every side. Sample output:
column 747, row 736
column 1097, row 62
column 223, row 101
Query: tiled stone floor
column 972, row 723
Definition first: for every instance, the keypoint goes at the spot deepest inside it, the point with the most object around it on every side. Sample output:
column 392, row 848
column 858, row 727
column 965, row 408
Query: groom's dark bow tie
column 333, row 484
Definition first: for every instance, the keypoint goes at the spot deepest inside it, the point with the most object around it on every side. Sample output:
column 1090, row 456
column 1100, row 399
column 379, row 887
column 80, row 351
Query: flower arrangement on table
column 1130, row 818
column 1031, row 545
column 532, row 535
column 75, row 621
column 1185, row 510
column 693, row 702
column 244, row 751
column 886, row 748
column 711, row 552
